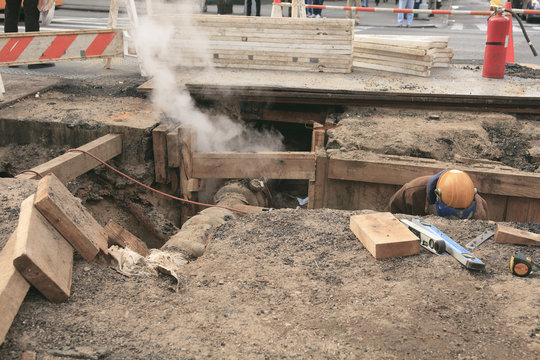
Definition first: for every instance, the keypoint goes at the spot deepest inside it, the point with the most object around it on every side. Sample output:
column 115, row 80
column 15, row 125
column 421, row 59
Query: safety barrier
column 405, row 11
column 55, row 46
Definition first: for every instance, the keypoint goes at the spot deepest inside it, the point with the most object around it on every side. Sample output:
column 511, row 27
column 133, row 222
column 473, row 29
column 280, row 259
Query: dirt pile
column 367, row 133
column 294, row 284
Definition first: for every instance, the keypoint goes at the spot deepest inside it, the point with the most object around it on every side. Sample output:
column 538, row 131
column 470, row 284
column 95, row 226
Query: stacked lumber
column 413, row 55
column 52, row 222
column 297, row 44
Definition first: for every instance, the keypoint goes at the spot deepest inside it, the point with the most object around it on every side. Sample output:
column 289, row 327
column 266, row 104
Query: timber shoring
column 464, row 102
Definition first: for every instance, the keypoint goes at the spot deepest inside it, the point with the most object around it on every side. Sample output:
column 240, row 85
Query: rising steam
column 165, row 43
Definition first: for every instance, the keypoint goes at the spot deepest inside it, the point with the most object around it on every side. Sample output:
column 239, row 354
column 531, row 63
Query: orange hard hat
column 456, row 189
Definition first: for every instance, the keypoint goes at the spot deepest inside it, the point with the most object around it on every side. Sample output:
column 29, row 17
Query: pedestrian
column 31, row 20
column 317, row 12
column 450, row 194
column 257, row 7
column 405, row 4
column 309, row 11
column 12, row 12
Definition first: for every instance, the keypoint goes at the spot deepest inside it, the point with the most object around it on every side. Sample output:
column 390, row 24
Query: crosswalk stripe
column 457, row 26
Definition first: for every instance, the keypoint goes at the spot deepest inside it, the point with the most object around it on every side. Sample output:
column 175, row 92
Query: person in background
column 12, row 12
column 405, row 4
column 309, row 11
column 450, row 194
column 257, row 7
column 31, row 21
column 317, row 12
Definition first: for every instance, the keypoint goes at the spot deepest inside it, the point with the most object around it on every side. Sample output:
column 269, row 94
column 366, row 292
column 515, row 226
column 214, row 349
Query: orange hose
column 152, row 189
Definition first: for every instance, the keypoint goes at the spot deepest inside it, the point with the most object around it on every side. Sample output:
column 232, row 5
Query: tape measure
column 520, row 265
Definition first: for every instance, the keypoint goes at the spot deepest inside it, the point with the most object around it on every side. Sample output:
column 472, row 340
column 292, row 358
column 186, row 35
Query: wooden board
column 509, row 235
column 117, row 235
column 392, row 62
column 274, row 165
column 317, row 189
column 400, row 70
column 65, row 212
column 255, row 42
column 173, row 148
column 159, row 145
column 72, row 164
column 13, row 287
column 399, row 172
column 384, row 236
column 42, row 255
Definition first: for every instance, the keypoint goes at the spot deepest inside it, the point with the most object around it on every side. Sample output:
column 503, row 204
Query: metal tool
column 474, row 243
column 428, row 240
column 434, row 236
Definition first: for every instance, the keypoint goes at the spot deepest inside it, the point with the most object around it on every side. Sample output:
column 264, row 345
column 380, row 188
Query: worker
column 450, row 193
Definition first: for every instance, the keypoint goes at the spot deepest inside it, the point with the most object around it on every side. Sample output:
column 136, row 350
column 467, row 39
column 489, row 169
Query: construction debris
column 509, row 235
column 65, row 212
column 13, row 287
column 42, row 255
column 117, row 235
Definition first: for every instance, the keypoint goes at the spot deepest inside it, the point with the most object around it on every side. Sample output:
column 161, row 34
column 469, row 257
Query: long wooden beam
column 398, row 173
column 274, row 165
column 72, row 164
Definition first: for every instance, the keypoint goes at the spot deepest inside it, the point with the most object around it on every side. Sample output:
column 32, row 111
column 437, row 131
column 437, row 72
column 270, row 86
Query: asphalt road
column 467, row 33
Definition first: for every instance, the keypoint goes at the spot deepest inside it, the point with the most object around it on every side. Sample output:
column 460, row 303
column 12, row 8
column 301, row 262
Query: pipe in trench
column 193, row 237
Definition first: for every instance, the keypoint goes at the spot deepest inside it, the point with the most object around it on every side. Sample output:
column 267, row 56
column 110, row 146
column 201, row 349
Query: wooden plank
column 400, row 70
column 394, row 63
column 517, row 209
column 425, row 61
column 273, row 165
column 534, row 211
column 317, row 188
column 390, row 48
column 117, row 235
column 13, row 287
column 66, row 213
column 384, row 236
column 519, row 184
column 72, row 164
column 159, row 145
column 509, row 235
column 365, row 52
column 42, row 255
column 173, row 148
column 187, row 143
column 496, row 206
column 317, row 137
column 398, row 41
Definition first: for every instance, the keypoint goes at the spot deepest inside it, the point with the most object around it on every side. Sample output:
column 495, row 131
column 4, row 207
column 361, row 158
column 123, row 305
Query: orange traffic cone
column 510, row 47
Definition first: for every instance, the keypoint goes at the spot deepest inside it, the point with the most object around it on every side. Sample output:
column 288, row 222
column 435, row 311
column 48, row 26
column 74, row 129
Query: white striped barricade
column 54, row 46
column 406, row 11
